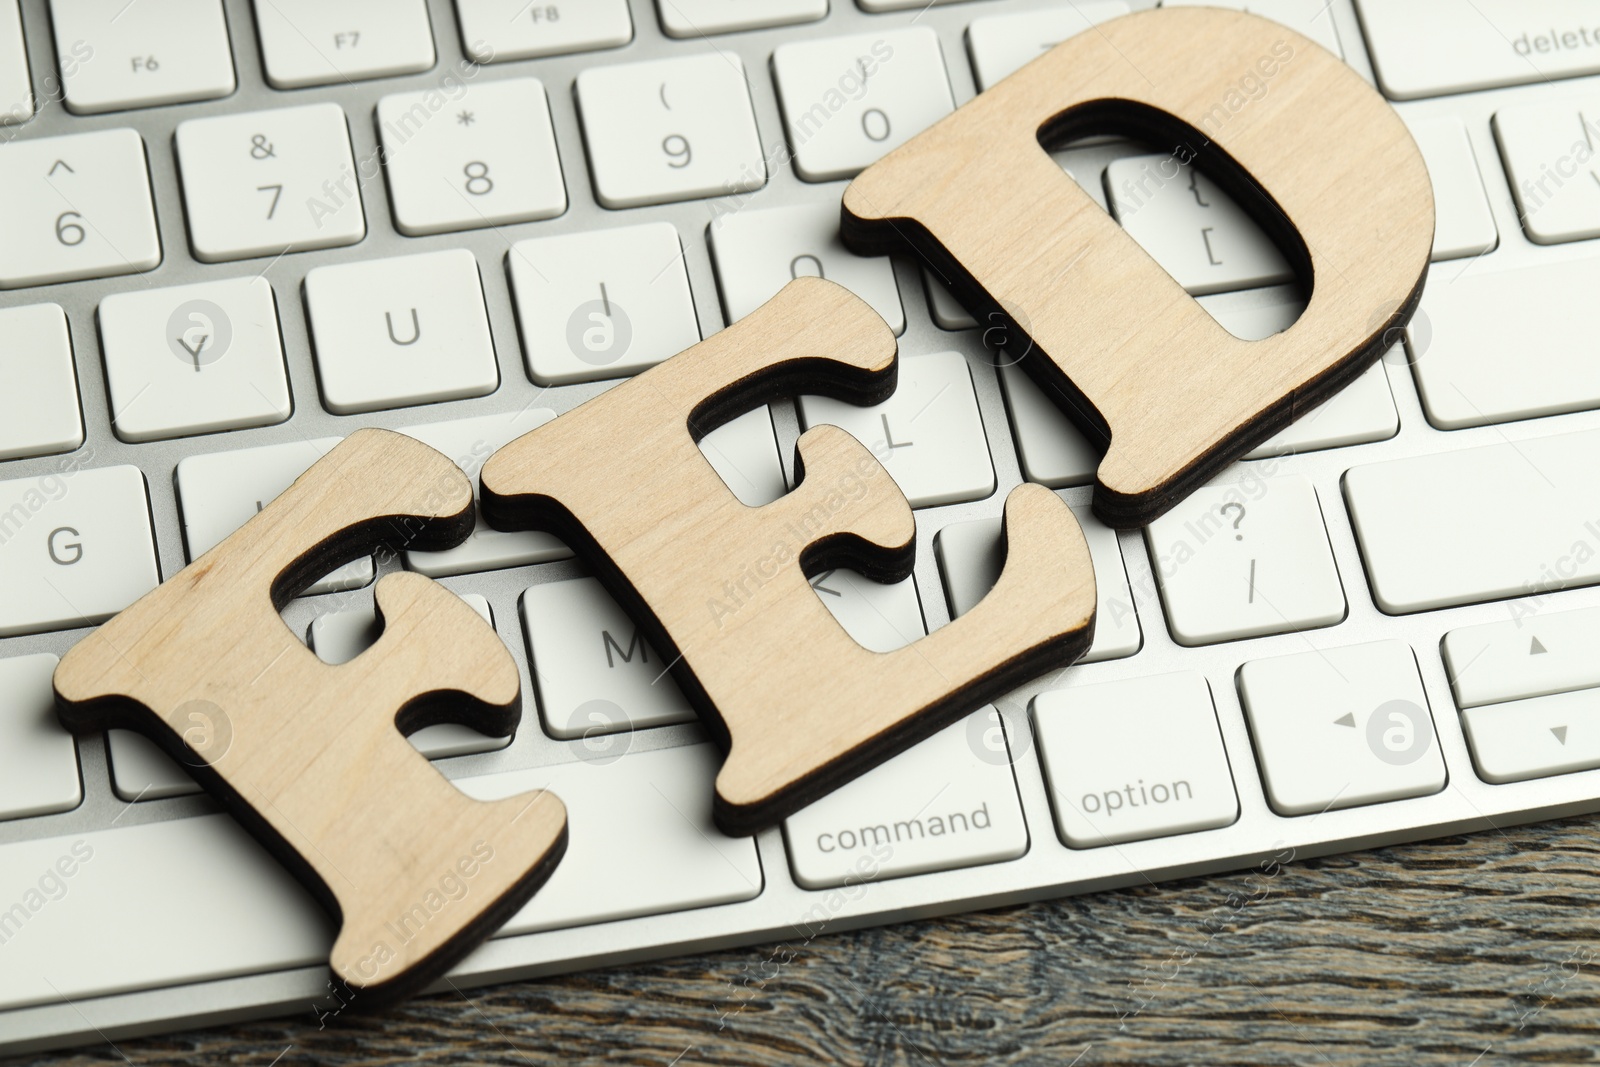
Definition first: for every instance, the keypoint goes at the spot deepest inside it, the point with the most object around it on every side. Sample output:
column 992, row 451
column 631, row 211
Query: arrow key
column 1535, row 738
column 1341, row 727
column 1528, row 656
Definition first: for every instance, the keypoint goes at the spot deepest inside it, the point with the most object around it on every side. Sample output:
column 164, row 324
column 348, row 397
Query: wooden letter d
column 1305, row 146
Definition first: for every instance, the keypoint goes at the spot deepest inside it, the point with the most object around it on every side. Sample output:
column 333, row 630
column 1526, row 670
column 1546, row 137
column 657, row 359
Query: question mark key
column 1218, row 585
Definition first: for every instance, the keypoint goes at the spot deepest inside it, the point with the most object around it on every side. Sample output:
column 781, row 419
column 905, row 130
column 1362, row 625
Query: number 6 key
column 76, row 207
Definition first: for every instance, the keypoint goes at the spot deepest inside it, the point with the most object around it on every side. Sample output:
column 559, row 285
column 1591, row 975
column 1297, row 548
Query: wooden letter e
column 798, row 705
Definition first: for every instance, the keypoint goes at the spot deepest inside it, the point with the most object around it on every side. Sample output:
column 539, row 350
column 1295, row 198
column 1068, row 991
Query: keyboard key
column 603, row 303
column 469, row 442
column 1529, row 656
column 1133, row 760
column 970, row 560
column 671, row 129
column 1311, row 18
column 38, row 757
column 593, row 670
column 1090, row 183
column 1490, row 43
column 1480, row 523
column 880, row 617
column 1549, row 151
column 879, row 6
column 700, row 18
column 314, row 42
column 849, row 100
column 1193, row 229
column 1001, row 44
column 489, row 160
column 1341, row 727
column 1535, row 738
column 744, row 453
column 1506, row 345
column 495, row 31
column 75, row 548
column 1464, row 225
column 165, row 874
column 928, row 435
column 949, row 802
column 141, row 55
column 141, row 771
column 77, row 207
column 1245, row 560
column 1050, row 448
column 194, row 359
column 758, row 252
column 341, row 636
column 16, row 91
column 947, row 312
column 1361, row 412
column 221, row 491
column 39, row 406
column 640, row 839
column 262, row 183
column 407, row 330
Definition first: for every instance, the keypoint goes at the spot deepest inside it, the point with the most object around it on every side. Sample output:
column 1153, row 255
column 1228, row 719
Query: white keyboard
column 233, row 231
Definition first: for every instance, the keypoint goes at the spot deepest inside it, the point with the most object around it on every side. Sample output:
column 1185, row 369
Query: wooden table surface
column 1468, row 950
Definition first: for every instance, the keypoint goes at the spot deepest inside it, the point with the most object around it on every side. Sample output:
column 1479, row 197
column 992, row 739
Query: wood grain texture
column 721, row 589
column 1480, row 950
column 312, row 758
column 1305, row 146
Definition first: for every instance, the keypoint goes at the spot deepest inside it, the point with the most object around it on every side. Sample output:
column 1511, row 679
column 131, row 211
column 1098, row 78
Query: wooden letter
column 308, row 756
column 1307, row 147
column 721, row 589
